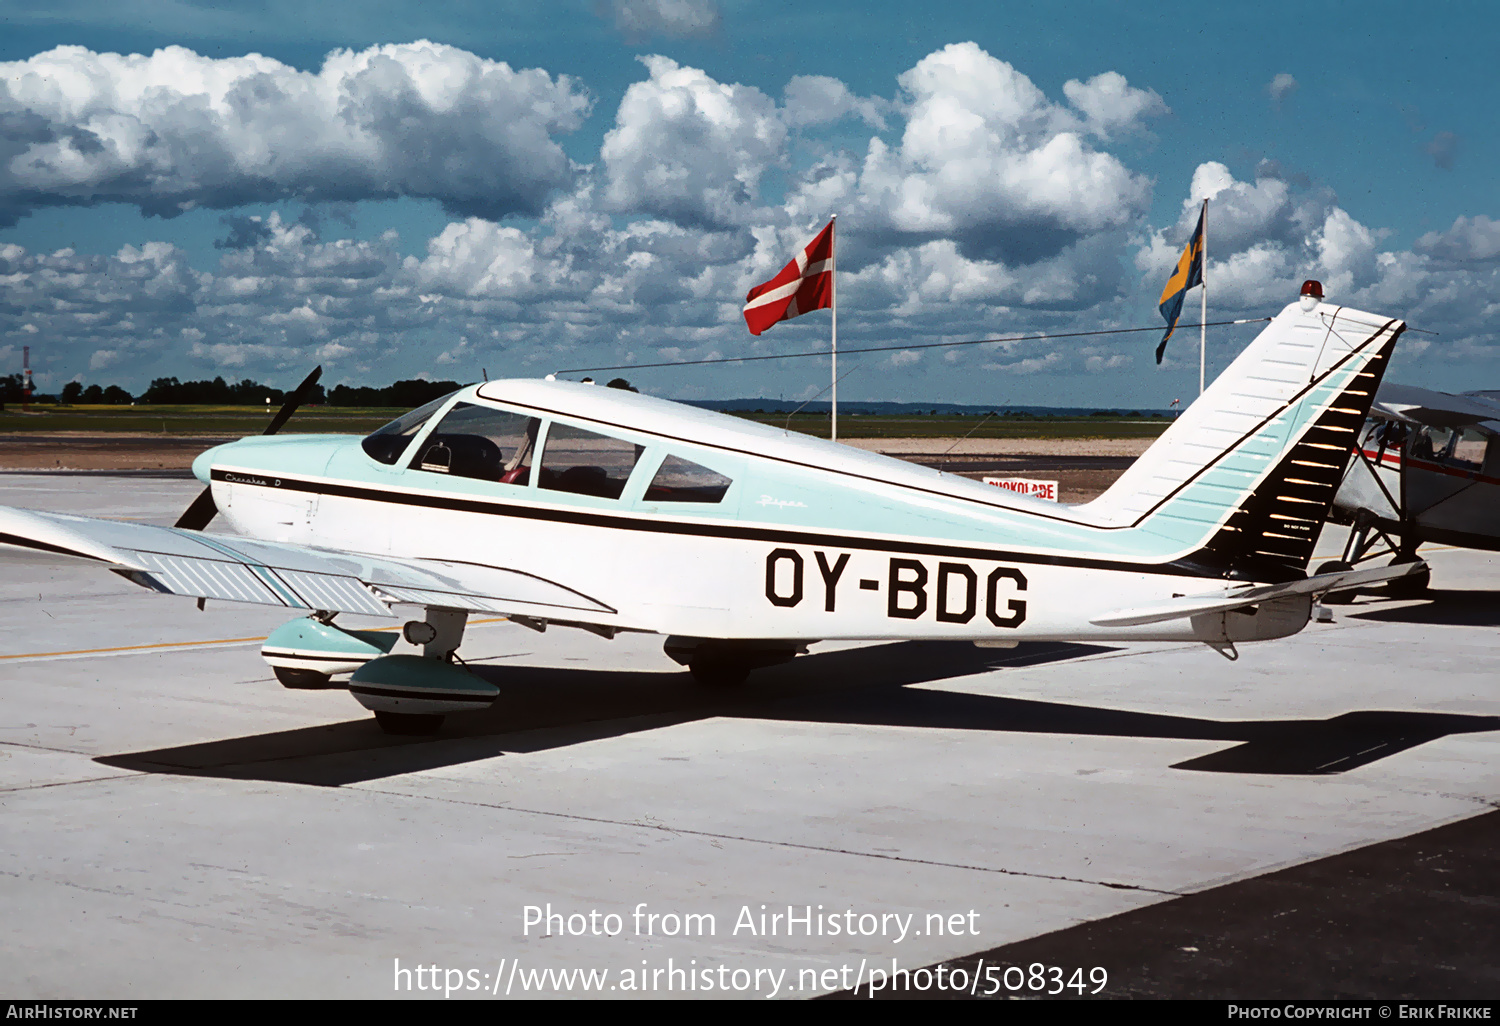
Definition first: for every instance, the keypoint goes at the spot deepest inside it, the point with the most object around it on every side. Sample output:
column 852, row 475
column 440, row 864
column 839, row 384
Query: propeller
column 204, row 509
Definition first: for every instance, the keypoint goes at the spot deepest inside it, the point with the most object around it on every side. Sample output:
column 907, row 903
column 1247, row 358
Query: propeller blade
column 296, row 399
column 197, row 516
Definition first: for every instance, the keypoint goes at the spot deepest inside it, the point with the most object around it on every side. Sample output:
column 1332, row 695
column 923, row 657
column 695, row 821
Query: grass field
column 235, row 421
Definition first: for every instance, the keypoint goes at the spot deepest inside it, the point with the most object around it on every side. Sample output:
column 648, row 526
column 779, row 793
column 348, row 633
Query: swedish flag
column 1189, row 272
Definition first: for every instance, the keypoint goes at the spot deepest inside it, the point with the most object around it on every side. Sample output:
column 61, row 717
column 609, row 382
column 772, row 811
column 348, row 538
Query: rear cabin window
column 481, row 443
column 586, row 463
column 387, row 444
column 681, row 480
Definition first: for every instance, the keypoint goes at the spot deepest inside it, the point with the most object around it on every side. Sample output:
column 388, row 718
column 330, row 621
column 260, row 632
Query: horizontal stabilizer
column 1223, row 602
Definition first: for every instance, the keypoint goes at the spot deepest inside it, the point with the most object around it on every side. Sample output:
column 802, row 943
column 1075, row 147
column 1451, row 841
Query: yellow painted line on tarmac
column 132, row 648
column 189, row 644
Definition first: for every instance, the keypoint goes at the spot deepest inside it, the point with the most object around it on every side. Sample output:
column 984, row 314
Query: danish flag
column 804, row 284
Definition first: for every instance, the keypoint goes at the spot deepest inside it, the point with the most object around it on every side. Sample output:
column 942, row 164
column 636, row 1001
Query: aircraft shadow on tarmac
column 1456, row 608
column 542, row 709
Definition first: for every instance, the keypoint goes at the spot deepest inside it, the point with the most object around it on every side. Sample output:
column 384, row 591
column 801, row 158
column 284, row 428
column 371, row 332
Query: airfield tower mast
column 25, row 377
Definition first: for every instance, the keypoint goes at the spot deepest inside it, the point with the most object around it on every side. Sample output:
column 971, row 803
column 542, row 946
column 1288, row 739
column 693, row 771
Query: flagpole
column 1203, row 317
column 834, row 286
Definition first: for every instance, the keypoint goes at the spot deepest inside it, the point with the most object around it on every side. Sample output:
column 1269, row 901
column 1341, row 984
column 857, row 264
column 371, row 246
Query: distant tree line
column 114, row 395
column 12, row 388
column 403, row 393
column 218, row 392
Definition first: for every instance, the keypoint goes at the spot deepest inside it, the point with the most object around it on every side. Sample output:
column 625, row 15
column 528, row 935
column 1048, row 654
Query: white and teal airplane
column 562, row 504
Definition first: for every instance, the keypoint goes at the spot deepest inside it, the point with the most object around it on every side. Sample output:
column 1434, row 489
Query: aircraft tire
column 302, row 680
column 1411, row 586
column 1337, row 598
column 715, row 673
column 408, row 724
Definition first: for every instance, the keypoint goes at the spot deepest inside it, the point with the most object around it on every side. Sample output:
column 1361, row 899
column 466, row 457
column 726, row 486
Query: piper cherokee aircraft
column 1427, row 469
column 563, row 504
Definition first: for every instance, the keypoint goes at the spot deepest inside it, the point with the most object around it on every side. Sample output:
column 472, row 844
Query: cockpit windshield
column 387, row 444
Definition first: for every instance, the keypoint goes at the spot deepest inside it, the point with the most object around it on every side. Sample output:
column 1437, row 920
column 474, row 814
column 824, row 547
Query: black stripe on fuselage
column 735, row 532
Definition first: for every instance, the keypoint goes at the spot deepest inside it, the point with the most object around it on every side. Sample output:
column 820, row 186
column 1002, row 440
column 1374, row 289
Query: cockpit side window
column 482, row 443
column 387, row 444
column 681, row 480
column 1431, row 442
column 586, row 463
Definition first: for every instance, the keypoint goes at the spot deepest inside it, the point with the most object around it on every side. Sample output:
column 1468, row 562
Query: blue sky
column 392, row 190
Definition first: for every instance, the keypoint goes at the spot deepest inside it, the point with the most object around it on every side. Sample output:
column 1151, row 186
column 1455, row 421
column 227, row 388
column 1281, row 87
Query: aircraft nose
column 204, row 462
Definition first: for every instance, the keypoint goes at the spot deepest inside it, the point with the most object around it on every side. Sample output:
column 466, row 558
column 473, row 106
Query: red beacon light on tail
column 1312, row 294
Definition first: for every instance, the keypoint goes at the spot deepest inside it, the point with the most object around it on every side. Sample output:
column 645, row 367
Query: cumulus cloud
column 986, row 159
column 653, row 248
column 1268, row 211
column 818, row 100
column 689, row 148
column 1110, row 104
column 478, row 258
column 1471, row 239
column 176, row 130
column 1280, row 88
column 981, row 207
column 1267, row 235
column 637, row 20
column 1264, row 234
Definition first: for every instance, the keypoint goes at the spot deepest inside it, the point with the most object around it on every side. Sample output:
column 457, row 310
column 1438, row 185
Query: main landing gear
column 409, row 694
column 1365, row 540
column 719, row 664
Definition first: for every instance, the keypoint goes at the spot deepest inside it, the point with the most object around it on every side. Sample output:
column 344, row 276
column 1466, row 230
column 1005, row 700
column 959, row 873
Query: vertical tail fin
column 1243, row 480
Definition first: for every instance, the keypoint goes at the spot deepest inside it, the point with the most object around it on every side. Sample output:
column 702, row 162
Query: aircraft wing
column 1439, row 409
column 180, row 562
column 1223, row 602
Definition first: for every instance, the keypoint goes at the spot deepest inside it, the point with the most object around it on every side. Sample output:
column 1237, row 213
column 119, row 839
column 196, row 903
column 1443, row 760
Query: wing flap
column 1223, row 602
column 333, row 592
column 204, row 578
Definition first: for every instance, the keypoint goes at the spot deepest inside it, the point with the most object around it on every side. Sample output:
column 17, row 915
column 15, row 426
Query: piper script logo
column 766, row 500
